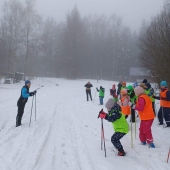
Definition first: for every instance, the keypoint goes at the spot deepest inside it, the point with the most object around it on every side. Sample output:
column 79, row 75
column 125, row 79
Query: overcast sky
column 132, row 11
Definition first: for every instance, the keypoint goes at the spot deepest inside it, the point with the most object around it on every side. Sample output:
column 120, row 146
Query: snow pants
column 101, row 100
column 116, row 140
column 166, row 114
column 88, row 93
column 145, row 133
column 19, row 115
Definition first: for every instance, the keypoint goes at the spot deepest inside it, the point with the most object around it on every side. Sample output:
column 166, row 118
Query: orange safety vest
column 125, row 109
column 147, row 113
column 164, row 103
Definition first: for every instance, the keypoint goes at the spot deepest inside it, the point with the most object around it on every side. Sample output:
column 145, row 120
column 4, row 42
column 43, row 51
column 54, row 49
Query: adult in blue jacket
column 23, row 100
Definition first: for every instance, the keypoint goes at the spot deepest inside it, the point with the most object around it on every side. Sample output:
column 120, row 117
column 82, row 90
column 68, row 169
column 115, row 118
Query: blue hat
column 27, row 82
column 135, row 84
column 163, row 83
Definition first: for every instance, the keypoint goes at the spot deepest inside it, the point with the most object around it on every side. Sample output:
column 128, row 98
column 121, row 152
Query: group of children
column 142, row 99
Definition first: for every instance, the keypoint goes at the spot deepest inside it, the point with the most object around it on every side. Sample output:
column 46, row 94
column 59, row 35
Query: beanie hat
column 143, row 85
column 110, row 103
column 139, row 90
column 129, row 87
column 113, row 85
column 124, row 91
column 124, row 83
column 163, row 83
column 135, row 84
column 27, row 82
column 145, row 81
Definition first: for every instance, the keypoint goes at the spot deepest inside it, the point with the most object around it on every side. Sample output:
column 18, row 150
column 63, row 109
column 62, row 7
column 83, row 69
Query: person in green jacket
column 120, row 125
column 101, row 94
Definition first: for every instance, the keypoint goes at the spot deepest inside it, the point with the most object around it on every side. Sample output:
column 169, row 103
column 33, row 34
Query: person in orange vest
column 124, row 103
column 146, row 115
column 164, row 98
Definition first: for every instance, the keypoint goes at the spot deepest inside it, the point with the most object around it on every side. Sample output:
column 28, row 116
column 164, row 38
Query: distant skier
column 101, row 94
column 146, row 115
column 88, row 90
column 120, row 125
column 119, row 88
column 23, row 100
column 113, row 92
column 164, row 111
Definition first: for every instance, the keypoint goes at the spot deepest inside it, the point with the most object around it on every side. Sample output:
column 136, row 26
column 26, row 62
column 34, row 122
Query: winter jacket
column 164, row 97
column 119, row 88
column 101, row 92
column 144, row 107
column 118, row 119
column 125, row 105
column 150, row 93
column 88, row 87
column 24, row 96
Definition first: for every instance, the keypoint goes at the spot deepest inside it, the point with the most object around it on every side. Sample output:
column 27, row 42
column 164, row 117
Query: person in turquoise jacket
column 101, row 94
column 119, row 123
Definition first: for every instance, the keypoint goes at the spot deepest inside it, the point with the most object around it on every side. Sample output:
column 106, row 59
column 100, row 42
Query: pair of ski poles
column 102, row 136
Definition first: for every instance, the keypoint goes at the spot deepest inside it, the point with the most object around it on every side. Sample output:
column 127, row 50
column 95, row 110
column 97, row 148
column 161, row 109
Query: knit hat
column 110, row 103
column 113, row 85
column 163, row 83
column 139, row 90
column 145, row 81
column 27, row 82
column 124, row 91
column 124, row 83
column 135, row 84
column 129, row 87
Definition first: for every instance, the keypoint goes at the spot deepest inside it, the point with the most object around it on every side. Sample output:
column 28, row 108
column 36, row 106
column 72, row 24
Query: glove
column 31, row 94
column 102, row 115
column 35, row 92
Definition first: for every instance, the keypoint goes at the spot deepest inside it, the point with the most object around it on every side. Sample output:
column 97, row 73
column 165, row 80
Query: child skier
column 125, row 103
column 146, row 114
column 119, row 124
column 101, row 94
column 113, row 92
column 164, row 98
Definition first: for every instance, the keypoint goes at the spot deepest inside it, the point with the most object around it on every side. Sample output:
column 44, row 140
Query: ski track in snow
column 67, row 133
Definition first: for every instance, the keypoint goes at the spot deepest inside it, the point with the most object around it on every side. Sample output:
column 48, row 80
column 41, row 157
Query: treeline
column 154, row 44
column 79, row 47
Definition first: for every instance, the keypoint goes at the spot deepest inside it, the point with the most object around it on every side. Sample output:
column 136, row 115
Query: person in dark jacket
column 119, row 88
column 164, row 111
column 23, row 100
column 145, row 81
column 88, row 90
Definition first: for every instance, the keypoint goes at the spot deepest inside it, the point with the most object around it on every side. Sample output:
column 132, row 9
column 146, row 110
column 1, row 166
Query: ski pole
column 103, row 137
column 168, row 155
column 35, row 107
column 31, row 110
column 131, row 131
column 135, row 124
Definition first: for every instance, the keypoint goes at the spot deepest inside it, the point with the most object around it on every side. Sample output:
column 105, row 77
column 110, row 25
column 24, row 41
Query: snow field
column 67, row 133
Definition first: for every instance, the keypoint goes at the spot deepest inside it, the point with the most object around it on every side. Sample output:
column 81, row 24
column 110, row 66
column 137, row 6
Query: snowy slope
column 66, row 135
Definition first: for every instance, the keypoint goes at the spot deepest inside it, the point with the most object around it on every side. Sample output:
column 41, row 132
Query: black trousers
column 116, row 140
column 166, row 114
column 133, row 115
column 19, row 115
column 88, row 93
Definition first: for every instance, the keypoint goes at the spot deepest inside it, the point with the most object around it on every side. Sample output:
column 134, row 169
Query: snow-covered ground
column 67, row 133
